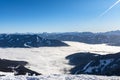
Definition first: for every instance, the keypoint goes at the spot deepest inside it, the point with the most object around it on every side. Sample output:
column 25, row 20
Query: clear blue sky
column 58, row 16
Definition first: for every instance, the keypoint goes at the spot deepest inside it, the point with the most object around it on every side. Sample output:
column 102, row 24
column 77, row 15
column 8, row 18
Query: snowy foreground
column 51, row 60
column 60, row 77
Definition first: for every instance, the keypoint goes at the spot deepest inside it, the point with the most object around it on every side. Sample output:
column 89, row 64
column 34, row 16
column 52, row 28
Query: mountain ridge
column 27, row 41
column 110, row 38
column 95, row 64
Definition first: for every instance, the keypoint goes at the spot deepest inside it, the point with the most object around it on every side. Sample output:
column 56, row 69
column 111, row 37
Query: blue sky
column 58, row 16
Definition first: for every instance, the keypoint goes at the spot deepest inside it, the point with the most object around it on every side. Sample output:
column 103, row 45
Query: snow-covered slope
column 90, row 63
column 60, row 77
column 51, row 60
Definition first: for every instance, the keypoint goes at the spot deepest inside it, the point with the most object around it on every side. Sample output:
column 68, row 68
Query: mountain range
column 27, row 41
column 110, row 38
column 55, row 39
column 83, row 62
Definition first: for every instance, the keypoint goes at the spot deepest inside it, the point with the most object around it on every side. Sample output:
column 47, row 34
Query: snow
column 60, row 77
column 7, row 73
column 103, row 63
column 51, row 60
column 10, row 40
column 37, row 39
column 26, row 45
column 17, row 39
column 87, row 65
column 89, row 69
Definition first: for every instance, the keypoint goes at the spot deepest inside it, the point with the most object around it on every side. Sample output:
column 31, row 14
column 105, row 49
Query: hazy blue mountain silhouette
column 110, row 38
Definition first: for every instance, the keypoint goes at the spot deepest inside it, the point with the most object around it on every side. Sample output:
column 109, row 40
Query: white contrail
column 110, row 8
